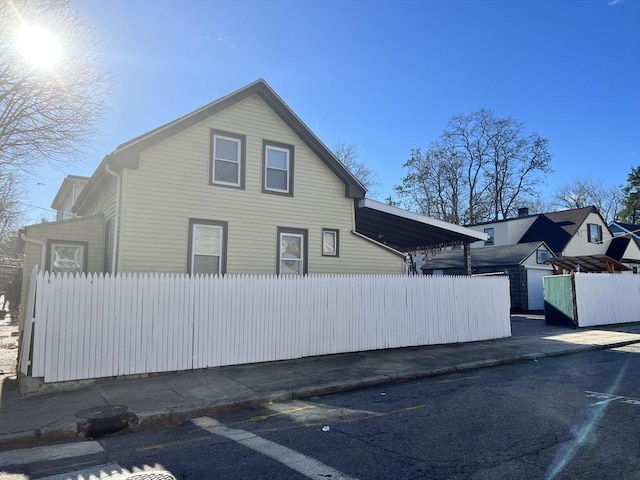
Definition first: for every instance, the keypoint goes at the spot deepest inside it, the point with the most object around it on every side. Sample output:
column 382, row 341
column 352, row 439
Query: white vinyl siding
column 172, row 185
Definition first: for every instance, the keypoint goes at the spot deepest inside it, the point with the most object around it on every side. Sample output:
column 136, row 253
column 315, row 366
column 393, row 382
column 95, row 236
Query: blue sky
column 385, row 76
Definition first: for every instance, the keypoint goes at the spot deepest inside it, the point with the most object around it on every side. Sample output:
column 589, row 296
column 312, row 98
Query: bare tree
column 487, row 164
column 585, row 192
column 347, row 153
column 47, row 112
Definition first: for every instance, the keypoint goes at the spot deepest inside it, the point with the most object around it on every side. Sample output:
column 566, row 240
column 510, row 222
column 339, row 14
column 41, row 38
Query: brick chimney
column 523, row 211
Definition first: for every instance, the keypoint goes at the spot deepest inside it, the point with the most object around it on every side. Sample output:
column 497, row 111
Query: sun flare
column 38, row 47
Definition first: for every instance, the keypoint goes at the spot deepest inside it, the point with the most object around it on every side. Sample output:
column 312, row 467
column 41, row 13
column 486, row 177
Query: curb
column 175, row 416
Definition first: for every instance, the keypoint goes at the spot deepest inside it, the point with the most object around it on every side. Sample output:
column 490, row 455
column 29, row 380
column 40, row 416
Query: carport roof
column 587, row 263
column 406, row 231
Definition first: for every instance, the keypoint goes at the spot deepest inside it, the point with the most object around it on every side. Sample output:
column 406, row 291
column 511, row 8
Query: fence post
column 27, row 334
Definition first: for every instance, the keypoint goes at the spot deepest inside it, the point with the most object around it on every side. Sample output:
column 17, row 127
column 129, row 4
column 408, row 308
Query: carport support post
column 467, row 257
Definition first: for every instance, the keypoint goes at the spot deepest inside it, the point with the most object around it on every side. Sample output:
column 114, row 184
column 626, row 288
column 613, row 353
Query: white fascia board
column 416, row 217
column 634, row 233
column 381, row 245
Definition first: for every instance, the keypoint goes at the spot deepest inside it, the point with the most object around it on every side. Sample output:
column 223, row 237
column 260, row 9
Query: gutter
column 42, row 246
column 117, row 218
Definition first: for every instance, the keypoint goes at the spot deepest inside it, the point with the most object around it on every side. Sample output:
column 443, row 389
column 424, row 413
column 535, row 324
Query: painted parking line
column 607, row 398
column 26, row 456
column 307, row 466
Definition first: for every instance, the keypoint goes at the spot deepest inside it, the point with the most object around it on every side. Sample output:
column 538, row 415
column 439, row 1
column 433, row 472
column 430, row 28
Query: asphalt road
column 575, row 416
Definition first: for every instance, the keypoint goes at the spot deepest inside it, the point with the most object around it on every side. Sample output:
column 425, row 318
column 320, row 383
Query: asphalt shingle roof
column 557, row 228
column 499, row 256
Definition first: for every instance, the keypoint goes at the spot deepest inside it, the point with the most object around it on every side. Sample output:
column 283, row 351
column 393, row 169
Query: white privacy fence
column 100, row 325
column 603, row 299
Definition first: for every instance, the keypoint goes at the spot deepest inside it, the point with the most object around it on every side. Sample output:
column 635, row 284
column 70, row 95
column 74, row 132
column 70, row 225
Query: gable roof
column 127, row 154
column 557, row 228
column 500, row 256
column 626, row 230
column 617, row 247
column 65, row 189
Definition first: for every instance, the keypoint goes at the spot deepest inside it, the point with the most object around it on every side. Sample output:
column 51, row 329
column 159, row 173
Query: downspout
column 42, row 246
column 117, row 218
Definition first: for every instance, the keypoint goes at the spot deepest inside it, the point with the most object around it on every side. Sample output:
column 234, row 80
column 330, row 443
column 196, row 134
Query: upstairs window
column 227, row 162
column 278, row 168
column 594, row 233
column 207, row 241
column 489, row 232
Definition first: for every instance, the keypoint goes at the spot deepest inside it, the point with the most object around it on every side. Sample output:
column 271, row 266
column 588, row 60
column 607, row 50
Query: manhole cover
column 151, row 476
column 103, row 420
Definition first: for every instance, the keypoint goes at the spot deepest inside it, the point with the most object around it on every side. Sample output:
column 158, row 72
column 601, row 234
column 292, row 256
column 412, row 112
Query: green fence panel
column 558, row 301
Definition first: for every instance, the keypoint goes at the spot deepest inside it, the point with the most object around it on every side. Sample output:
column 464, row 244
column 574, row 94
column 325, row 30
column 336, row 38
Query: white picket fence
column 102, row 326
column 603, row 299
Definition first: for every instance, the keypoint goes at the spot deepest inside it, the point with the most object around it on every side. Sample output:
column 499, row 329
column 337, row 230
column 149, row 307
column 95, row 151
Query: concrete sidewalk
column 172, row 398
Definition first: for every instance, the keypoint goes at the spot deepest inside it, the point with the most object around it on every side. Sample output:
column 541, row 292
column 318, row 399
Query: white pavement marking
column 307, row 466
column 54, row 452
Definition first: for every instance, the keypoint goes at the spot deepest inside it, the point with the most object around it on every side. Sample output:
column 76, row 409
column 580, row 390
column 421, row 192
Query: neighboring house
column 574, row 237
column 619, row 229
column 238, row 186
column 67, row 195
column 626, row 244
column 524, row 263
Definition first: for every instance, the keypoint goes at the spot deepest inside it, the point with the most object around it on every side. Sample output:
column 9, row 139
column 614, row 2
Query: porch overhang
column 586, row 264
column 409, row 231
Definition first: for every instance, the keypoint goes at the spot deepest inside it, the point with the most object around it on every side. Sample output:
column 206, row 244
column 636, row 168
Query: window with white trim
column 330, row 242
column 207, row 247
column 67, row 257
column 292, row 251
column 278, row 171
column 227, row 162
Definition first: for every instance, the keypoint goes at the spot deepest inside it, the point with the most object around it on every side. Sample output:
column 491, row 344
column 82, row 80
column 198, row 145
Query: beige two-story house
column 241, row 185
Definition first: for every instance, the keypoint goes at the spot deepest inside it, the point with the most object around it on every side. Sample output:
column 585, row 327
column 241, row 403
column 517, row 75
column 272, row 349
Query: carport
column 408, row 231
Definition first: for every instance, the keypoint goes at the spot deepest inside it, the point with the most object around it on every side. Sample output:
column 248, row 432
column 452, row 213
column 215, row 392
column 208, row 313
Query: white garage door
column 535, row 287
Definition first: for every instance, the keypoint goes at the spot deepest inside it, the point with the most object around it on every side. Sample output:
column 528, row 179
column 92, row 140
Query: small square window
column 67, row 257
column 542, row 256
column 278, row 168
column 330, row 242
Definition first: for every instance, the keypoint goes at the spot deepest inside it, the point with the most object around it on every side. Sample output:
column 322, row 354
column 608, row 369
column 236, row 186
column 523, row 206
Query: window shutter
column 588, row 232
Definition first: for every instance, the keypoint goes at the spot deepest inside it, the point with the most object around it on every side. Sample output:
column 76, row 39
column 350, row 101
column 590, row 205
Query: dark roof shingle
column 483, row 257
